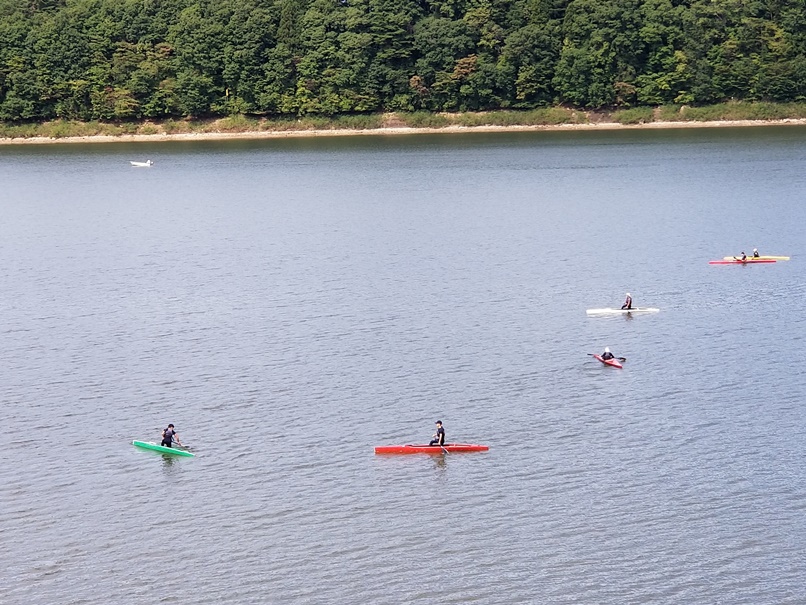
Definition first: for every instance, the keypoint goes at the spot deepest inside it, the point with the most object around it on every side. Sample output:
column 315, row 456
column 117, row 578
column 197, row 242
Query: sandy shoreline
column 390, row 131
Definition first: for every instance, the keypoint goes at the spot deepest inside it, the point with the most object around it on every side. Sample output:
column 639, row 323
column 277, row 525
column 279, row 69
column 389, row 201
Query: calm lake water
column 290, row 304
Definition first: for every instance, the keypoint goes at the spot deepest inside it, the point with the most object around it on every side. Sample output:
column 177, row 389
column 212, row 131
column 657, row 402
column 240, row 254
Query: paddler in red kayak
column 439, row 436
column 627, row 303
column 607, row 354
column 169, row 436
column 755, row 253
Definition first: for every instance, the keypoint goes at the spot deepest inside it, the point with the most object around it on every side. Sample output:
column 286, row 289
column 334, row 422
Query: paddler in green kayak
column 439, row 436
column 169, row 436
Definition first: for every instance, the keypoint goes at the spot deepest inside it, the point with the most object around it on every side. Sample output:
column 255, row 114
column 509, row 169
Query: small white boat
column 610, row 311
column 145, row 164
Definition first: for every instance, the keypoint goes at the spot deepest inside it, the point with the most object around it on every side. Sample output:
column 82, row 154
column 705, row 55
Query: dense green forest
column 135, row 59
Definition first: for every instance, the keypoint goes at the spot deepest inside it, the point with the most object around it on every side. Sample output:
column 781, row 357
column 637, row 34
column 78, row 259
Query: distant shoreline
column 394, row 130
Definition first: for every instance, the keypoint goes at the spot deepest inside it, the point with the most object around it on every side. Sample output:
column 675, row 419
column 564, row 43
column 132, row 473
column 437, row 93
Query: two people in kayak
column 627, row 303
column 169, row 436
column 743, row 257
column 439, row 436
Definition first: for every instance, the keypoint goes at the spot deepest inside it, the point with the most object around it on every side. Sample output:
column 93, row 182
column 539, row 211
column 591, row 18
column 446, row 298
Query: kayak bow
column 148, row 445
column 430, row 449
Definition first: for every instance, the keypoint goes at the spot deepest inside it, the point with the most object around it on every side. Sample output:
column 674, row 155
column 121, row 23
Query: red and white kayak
column 430, row 449
column 609, row 362
column 737, row 261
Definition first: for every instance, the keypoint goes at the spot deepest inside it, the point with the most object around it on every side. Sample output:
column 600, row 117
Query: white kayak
column 609, row 311
column 145, row 164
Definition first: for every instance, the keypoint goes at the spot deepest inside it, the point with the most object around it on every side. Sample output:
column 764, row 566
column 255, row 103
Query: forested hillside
column 134, row 59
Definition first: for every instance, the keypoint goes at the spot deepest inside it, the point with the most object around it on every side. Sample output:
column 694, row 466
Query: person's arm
column 176, row 438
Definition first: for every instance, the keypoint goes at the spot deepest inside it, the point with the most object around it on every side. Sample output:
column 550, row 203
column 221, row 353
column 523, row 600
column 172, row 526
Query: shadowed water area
column 289, row 304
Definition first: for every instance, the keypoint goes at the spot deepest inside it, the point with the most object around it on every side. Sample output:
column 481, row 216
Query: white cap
column 628, row 293
column 607, row 349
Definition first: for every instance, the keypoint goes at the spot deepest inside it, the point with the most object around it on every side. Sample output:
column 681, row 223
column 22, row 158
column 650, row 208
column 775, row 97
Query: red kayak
column 430, row 449
column 609, row 362
column 749, row 261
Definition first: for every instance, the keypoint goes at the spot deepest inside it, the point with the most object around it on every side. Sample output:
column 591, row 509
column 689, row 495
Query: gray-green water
column 291, row 304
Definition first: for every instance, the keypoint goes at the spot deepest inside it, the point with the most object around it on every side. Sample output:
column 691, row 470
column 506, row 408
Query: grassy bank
column 712, row 113
column 537, row 117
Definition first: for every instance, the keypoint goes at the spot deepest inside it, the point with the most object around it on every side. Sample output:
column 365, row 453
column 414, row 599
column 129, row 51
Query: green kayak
column 161, row 448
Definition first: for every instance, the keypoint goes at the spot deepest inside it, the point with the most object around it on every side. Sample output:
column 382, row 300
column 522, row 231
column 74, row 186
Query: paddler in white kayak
column 627, row 303
column 169, row 436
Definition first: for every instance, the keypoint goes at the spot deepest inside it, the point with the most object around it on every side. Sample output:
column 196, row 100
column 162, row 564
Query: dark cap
column 170, row 426
column 438, row 422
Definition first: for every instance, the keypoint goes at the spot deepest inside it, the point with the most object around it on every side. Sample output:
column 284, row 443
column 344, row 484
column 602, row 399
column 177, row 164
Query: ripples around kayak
column 289, row 305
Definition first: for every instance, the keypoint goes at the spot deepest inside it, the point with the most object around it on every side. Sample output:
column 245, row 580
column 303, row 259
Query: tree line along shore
column 147, row 62
column 734, row 114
